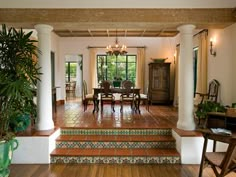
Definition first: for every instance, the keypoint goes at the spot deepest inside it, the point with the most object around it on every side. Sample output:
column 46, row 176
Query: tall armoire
column 159, row 82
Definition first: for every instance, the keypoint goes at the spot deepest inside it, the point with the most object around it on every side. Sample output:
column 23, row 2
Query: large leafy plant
column 208, row 106
column 18, row 77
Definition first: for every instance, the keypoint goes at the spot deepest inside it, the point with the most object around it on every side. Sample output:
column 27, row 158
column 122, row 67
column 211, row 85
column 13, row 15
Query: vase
column 6, row 151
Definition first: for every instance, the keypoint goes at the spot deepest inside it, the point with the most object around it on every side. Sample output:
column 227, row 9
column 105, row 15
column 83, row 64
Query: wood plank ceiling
column 118, row 22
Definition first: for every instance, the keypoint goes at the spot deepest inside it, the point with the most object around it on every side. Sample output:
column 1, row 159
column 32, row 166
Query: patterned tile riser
column 116, row 160
column 115, row 144
column 116, row 132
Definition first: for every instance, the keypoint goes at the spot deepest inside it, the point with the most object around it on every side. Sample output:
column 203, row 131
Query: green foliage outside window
column 116, row 68
column 71, row 68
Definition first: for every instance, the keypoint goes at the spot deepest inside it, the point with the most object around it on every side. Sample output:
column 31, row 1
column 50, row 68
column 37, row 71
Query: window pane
column 73, row 68
column 132, row 58
column 121, row 71
column 121, row 58
column 111, row 71
column 111, row 59
column 132, row 72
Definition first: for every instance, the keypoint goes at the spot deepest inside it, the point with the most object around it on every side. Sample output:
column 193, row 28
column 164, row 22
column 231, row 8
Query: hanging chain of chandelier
column 116, row 49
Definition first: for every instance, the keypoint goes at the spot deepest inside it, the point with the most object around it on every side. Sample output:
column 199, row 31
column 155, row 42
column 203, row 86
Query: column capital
column 186, row 28
column 43, row 28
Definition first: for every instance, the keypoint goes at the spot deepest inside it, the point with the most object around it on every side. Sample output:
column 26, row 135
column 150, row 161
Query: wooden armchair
column 212, row 94
column 222, row 163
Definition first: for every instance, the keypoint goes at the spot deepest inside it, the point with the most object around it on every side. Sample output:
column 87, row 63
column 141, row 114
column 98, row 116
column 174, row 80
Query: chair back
column 127, row 88
column 105, row 88
column 213, row 90
column 85, row 90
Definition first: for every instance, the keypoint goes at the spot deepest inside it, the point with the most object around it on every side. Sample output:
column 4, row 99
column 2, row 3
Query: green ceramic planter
column 6, row 151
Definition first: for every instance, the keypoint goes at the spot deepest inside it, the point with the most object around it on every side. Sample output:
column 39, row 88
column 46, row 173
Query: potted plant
column 208, row 106
column 18, row 78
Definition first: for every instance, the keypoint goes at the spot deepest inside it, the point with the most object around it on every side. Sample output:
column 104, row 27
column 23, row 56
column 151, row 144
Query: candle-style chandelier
column 116, row 49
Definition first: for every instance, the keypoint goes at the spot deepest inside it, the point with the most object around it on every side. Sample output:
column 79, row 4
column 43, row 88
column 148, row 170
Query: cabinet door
column 160, row 78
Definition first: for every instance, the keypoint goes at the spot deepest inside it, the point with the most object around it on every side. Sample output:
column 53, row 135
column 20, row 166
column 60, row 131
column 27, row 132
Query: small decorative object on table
column 221, row 131
column 158, row 60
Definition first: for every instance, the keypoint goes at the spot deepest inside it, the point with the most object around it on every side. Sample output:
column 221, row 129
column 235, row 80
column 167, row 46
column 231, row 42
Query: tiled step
column 115, row 141
column 115, row 146
column 74, row 131
column 158, row 156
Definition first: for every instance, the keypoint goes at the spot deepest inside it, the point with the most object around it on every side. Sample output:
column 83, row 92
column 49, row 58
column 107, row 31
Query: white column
column 44, row 88
column 185, row 116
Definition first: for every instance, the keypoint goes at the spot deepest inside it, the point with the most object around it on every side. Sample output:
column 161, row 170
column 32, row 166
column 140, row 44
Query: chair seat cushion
column 89, row 96
column 107, row 98
column 127, row 98
column 143, row 96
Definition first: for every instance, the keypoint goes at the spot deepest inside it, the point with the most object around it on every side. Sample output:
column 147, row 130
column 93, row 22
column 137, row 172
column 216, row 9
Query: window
column 116, row 68
column 70, row 71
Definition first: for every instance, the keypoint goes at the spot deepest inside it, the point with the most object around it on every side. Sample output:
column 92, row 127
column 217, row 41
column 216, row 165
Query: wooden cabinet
column 159, row 82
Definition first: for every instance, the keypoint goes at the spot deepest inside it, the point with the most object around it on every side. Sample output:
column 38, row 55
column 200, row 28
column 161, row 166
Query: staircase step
column 115, row 146
column 76, row 131
column 100, row 155
column 115, row 141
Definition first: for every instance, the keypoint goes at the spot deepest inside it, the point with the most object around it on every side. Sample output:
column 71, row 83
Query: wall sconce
column 212, row 51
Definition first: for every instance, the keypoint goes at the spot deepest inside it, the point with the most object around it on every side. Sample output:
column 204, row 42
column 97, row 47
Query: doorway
column 73, row 77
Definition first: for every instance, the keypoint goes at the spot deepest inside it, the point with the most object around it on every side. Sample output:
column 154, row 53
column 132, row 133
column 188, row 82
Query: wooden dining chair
column 144, row 98
column 127, row 94
column 107, row 95
column 86, row 97
column 222, row 163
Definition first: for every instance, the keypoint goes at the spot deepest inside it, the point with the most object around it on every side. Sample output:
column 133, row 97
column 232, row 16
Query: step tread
column 114, row 152
column 115, row 138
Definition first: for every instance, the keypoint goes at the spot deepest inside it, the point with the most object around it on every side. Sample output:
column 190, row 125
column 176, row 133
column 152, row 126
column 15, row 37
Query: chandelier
column 116, row 49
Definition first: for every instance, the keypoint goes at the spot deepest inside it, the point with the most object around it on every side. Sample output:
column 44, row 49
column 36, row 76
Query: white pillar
column 185, row 116
column 44, row 87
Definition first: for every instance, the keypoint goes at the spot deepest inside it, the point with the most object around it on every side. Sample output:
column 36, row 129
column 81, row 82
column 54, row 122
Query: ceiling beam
column 118, row 18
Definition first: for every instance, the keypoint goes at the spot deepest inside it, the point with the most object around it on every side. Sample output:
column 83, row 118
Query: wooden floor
column 71, row 114
column 114, row 170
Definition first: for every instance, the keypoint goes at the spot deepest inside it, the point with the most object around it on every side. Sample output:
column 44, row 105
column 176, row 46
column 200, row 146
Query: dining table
column 98, row 90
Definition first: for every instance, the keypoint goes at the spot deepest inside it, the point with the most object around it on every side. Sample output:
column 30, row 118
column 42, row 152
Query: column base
column 186, row 125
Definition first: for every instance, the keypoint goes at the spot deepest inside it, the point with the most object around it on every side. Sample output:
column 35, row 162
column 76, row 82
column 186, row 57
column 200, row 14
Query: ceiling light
column 116, row 49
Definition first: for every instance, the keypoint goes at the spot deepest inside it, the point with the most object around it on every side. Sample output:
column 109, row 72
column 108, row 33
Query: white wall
column 222, row 67
column 155, row 48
